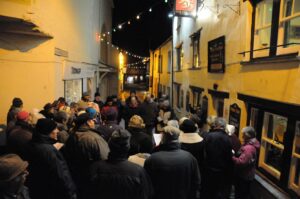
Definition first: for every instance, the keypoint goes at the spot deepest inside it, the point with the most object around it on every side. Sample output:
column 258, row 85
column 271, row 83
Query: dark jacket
column 174, row 173
column 24, row 194
column 18, row 139
column 63, row 134
column 245, row 162
column 49, row 176
column 149, row 112
column 130, row 111
column 112, row 179
column 84, row 147
column 140, row 142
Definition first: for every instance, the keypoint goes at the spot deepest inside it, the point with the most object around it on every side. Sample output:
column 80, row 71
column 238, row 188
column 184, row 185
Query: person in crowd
column 149, row 112
column 20, row 135
column 94, row 115
column 218, row 165
column 174, row 172
column 49, row 177
column 117, row 102
column 61, row 104
column 109, row 104
column 132, row 109
column 191, row 141
column 132, row 94
column 165, row 114
column 48, row 111
column 83, row 103
column 140, row 142
column 109, row 124
column 208, row 126
column 13, row 173
column 97, row 100
column 84, row 147
column 117, row 177
column 245, row 161
column 17, row 105
column 34, row 116
column 61, row 118
column 236, row 143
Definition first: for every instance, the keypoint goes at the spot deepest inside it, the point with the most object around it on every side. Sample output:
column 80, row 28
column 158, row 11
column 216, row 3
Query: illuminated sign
column 186, row 8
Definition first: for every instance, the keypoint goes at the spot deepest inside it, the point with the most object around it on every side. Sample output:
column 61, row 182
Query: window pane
column 273, row 156
column 264, row 36
column 268, row 12
column 254, row 117
column 297, row 172
column 292, row 31
column 296, row 6
column 264, row 13
column 275, row 127
column 288, row 8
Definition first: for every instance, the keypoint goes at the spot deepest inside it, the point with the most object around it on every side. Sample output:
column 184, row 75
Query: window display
column 73, row 90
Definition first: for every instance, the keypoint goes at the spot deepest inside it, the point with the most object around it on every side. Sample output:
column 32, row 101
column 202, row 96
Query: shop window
column 169, row 61
column 294, row 180
column 196, row 99
column 254, row 117
column 73, row 90
column 263, row 19
column 291, row 21
column 179, row 57
column 274, row 128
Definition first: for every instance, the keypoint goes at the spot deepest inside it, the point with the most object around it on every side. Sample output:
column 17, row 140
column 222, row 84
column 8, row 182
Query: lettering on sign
column 76, row 70
column 216, row 55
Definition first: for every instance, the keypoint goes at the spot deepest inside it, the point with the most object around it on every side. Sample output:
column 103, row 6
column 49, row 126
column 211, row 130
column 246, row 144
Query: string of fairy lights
column 101, row 37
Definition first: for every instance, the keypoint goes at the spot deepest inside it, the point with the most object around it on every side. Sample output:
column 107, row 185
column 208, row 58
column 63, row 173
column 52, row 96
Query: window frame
column 295, row 156
column 179, row 57
column 195, row 39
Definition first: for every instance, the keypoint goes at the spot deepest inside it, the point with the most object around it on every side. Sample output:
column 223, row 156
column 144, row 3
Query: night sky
column 151, row 30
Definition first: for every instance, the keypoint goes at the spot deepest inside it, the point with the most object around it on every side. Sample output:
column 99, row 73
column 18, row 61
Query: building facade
column 240, row 60
column 51, row 49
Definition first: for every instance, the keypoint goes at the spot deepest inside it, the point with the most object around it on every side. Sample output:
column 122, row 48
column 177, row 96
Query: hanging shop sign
column 216, row 55
column 186, row 8
column 235, row 117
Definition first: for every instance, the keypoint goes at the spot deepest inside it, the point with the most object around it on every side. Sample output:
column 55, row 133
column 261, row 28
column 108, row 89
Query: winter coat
column 140, row 142
column 84, row 147
column 18, row 139
column 218, row 152
column 119, row 178
column 63, row 134
column 149, row 112
column 130, row 111
column 108, row 128
column 174, row 173
column 193, row 143
column 49, row 176
column 245, row 162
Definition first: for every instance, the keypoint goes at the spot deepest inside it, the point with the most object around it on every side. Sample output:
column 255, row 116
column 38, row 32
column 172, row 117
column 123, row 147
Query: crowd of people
column 131, row 150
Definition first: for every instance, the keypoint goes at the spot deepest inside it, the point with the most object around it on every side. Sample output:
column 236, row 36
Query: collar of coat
column 190, row 138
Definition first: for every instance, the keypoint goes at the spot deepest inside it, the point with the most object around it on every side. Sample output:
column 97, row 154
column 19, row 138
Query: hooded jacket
column 245, row 163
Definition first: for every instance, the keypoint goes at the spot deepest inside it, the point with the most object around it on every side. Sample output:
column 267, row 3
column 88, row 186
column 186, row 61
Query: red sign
column 186, row 5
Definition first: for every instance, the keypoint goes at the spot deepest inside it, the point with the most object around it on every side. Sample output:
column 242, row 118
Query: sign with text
column 234, row 117
column 186, row 8
column 216, row 55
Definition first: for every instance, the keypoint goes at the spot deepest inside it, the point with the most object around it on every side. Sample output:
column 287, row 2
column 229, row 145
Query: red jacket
column 245, row 163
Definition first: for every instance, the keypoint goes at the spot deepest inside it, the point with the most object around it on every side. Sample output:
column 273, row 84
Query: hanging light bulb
column 150, row 9
column 108, row 33
column 114, row 30
column 128, row 22
column 166, row 1
column 120, row 26
column 138, row 17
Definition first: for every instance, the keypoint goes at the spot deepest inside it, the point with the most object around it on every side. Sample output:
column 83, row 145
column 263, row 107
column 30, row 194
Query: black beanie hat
column 119, row 141
column 17, row 102
column 82, row 119
column 188, row 126
column 45, row 126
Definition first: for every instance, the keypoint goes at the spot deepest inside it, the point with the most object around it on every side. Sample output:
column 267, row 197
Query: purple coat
column 245, row 163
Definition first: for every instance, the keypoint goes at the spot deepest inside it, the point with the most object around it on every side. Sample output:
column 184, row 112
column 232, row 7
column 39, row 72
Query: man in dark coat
column 130, row 110
column 17, row 105
column 149, row 112
column 117, row 177
column 97, row 100
column 13, row 172
column 49, row 176
column 218, row 165
column 20, row 135
column 174, row 172
column 83, row 147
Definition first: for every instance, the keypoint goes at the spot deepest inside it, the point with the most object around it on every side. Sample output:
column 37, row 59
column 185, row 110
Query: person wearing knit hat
column 169, row 162
column 140, row 142
column 117, row 177
column 17, row 105
column 48, row 111
column 12, row 177
column 50, row 176
column 23, row 115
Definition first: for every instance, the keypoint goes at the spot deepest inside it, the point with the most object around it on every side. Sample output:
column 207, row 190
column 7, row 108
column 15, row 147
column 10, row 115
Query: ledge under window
column 195, row 68
column 293, row 57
